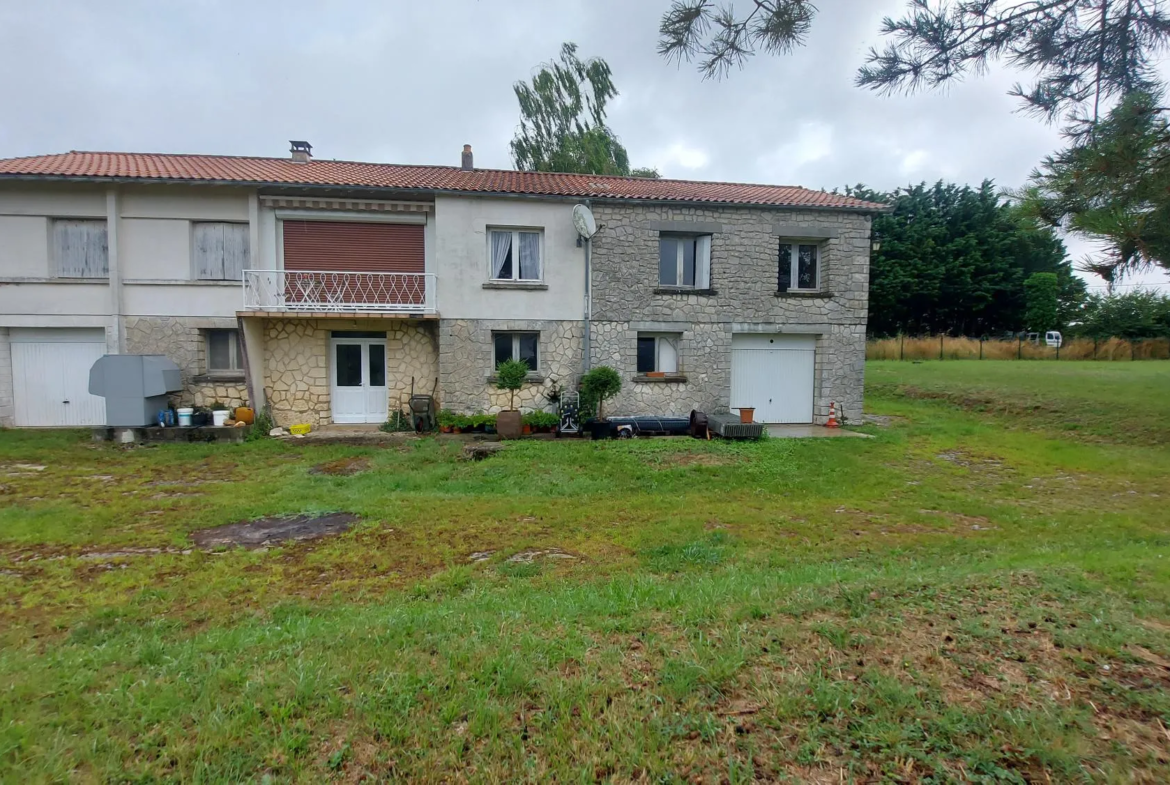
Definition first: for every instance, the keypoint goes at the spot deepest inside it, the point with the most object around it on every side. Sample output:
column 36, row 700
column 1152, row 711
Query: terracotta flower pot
column 527, row 430
column 456, row 429
column 747, row 416
column 509, row 425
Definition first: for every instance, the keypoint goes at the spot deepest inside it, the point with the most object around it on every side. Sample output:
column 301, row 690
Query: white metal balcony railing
column 329, row 290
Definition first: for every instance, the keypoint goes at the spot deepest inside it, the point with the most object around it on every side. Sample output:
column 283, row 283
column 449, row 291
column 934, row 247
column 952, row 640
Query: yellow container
column 245, row 415
column 300, row 430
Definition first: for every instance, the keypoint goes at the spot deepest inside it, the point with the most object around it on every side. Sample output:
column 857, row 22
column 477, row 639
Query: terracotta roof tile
column 282, row 171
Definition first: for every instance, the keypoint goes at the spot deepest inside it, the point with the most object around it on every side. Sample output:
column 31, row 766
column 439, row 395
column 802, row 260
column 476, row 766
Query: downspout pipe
column 586, row 340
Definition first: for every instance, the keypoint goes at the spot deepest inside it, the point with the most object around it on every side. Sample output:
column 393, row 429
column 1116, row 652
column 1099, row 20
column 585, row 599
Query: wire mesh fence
column 944, row 347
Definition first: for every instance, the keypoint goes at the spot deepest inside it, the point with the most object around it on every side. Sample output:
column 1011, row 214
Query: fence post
column 941, row 338
column 1058, row 348
column 1131, row 352
column 1094, row 348
column 902, row 346
column 1020, row 348
column 980, row 348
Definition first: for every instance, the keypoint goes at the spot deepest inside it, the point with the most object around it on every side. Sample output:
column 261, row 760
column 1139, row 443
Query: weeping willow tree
column 562, row 119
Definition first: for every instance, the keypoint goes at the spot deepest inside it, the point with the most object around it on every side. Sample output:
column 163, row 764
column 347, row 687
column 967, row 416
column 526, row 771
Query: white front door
column 50, row 375
column 359, row 380
column 774, row 374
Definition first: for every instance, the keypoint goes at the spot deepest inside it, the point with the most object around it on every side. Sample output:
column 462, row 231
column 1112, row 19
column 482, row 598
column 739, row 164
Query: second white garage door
column 774, row 375
column 50, row 375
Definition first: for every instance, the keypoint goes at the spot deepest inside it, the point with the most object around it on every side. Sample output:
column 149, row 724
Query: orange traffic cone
column 832, row 423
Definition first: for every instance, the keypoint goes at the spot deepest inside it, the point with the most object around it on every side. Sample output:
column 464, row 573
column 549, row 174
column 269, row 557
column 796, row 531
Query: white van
column 1053, row 339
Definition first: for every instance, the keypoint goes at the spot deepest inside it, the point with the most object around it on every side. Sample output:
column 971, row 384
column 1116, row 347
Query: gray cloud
column 411, row 82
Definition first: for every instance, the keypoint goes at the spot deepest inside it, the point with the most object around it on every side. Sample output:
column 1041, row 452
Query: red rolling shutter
column 353, row 247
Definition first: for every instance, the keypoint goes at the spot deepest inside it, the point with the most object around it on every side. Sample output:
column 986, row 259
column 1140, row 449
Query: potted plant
column 447, row 419
column 598, row 385
column 510, row 376
column 219, row 413
column 541, row 422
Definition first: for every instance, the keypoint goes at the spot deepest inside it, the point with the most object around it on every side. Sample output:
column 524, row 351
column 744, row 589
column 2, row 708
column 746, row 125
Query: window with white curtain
column 684, row 261
column 658, row 353
column 514, row 255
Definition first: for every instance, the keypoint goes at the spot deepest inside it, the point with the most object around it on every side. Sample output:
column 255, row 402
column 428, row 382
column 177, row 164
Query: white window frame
column 516, row 346
column 794, row 263
column 233, row 352
column 675, row 339
column 702, row 260
column 516, row 232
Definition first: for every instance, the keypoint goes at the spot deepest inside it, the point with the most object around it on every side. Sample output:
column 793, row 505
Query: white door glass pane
column 377, row 365
column 349, row 365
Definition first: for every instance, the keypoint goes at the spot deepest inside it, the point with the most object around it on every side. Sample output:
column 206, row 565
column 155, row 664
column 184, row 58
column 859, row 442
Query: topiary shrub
column 600, row 384
column 510, row 376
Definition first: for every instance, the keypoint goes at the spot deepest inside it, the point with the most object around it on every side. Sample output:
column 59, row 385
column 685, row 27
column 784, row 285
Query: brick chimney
column 302, row 152
column 468, row 162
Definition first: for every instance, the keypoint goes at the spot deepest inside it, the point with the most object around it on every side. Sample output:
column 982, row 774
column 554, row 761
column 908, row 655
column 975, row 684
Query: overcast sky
column 411, row 82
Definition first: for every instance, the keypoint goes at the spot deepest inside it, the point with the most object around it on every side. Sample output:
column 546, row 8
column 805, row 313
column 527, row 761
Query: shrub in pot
column 598, row 385
column 510, row 376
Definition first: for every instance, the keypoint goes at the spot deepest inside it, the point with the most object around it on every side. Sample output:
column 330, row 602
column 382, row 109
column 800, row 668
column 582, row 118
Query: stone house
column 327, row 290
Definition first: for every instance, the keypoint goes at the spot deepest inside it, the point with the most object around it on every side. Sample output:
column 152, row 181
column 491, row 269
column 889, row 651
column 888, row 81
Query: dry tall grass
column 947, row 348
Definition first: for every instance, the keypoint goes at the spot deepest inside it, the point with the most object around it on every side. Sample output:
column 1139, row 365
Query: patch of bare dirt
column 695, row 459
column 342, row 467
column 266, row 531
column 527, row 557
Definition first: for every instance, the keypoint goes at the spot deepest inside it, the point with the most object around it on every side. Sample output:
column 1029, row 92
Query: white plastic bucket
column 219, row 417
column 184, row 417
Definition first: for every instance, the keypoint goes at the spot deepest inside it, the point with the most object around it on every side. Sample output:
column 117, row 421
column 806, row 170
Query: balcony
column 334, row 292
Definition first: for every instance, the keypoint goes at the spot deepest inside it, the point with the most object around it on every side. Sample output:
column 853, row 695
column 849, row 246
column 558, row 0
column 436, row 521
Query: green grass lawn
column 980, row 592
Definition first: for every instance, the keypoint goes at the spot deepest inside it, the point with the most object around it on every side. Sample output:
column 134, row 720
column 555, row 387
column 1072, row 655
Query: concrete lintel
column 792, row 329
column 804, row 232
column 661, row 327
column 685, row 227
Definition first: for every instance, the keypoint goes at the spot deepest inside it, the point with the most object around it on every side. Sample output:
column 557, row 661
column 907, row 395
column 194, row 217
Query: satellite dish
column 584, row 221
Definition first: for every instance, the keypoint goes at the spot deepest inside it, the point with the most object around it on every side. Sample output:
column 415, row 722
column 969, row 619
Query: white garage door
column 774, row 375
column 50, row 375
